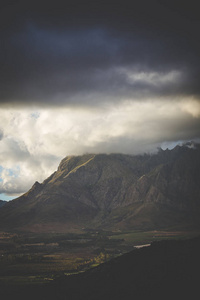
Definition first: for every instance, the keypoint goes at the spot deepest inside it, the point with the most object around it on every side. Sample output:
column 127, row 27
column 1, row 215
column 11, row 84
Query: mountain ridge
column 2, row 203
column 113, row 192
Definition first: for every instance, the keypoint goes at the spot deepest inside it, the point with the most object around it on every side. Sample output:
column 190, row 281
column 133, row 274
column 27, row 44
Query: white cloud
column 153, row 78
column 150, row 78
column 192, row 106
column 35, row 140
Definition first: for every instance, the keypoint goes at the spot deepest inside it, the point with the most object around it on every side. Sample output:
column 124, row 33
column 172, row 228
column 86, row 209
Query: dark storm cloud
column 76, row 52
column 103, row 76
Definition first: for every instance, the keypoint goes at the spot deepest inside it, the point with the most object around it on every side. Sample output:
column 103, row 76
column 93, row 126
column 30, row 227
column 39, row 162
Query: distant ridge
column 113, row 192
column 2, row 203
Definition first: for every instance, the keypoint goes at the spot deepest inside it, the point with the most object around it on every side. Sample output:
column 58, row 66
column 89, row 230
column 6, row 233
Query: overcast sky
column 93, row 76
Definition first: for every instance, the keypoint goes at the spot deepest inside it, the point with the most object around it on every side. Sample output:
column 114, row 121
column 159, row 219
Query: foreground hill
column 113, row 192
column 165, row 270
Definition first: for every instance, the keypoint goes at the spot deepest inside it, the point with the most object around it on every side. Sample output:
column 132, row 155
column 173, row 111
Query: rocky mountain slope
column 113, row 192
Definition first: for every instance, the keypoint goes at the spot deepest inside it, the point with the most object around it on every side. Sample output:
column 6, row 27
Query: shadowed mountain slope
column 113, row 191
column 2, row 203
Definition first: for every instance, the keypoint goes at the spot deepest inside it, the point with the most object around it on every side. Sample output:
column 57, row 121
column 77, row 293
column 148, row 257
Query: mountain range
column 113, row 192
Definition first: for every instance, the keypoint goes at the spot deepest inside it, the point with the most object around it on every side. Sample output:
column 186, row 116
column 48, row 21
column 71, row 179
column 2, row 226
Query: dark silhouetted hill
column 165, row 270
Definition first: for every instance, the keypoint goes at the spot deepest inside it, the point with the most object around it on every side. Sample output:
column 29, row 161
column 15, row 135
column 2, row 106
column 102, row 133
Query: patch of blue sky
column 6, row 197
column 14, row 172
column 1, row 169
column 35, row 115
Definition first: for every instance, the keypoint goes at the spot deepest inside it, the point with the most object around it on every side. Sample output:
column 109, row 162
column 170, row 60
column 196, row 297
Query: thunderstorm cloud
column 80, row 76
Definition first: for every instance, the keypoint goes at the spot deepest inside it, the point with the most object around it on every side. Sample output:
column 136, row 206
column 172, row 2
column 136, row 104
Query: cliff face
column 113, row 192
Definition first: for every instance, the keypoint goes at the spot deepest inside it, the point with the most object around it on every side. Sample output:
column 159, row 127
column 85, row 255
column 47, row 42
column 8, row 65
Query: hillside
column 113, row 192
column 165, row 270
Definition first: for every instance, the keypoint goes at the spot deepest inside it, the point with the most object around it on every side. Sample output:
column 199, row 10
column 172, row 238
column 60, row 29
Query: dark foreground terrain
column 167, row 269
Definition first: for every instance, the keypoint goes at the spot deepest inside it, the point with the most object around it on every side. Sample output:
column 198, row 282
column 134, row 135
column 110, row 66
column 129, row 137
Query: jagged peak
column 36, row 186
column 191, row 145
column 184, row 145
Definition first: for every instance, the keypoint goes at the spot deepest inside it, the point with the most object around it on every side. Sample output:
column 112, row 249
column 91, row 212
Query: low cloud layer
column 93, row 77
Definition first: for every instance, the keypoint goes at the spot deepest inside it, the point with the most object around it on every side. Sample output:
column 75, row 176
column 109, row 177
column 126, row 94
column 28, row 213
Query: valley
column 31, row 258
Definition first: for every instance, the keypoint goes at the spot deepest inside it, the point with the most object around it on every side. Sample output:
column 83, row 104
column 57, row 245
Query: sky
column 90, row 77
